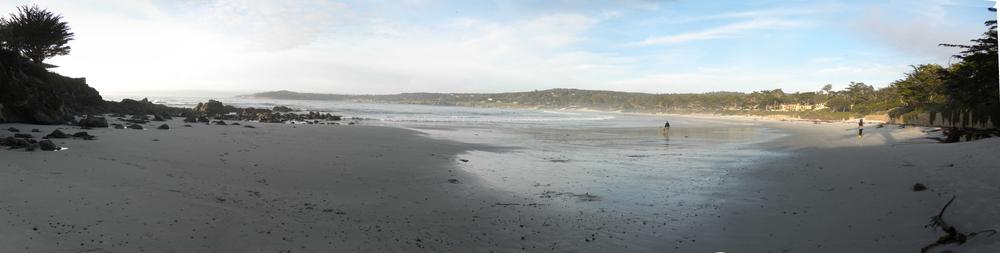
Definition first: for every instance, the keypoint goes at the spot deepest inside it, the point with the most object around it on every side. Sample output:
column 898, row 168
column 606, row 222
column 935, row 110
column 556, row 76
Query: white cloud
column 917, row 27
column 271, row 25
column 726, row 31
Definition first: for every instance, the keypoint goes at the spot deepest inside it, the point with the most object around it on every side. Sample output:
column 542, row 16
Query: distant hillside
column 575, row 98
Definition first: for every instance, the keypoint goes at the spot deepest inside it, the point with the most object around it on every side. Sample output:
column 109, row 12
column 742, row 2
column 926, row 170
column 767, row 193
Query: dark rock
column 281, row 108
column 249, row 126
column 56, row 134
column 203, row 119
column 190, row 119
column 35, row 130
column 919, row 187
column 144, row 107
column 83, row 135
column 7, row 141
column 235, row 123
column 220, row 123
column 14, row 130
column 464, row 160
column 28, row 136
column 157, row 117
column 135, row 126
column 138, row 119
column 97, row 122
column 47, row 145
column 453, row 181
column 118, row 126
column 187, row 125
column 14, row 142
column 214, row 108
column 163, row 127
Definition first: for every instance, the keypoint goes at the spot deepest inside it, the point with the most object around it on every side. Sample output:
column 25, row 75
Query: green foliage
column 35, row 33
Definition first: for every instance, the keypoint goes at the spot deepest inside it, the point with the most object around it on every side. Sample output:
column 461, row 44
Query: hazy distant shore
column 323, row 188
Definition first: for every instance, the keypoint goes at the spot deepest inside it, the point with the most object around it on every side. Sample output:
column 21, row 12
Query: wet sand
column 320, row 188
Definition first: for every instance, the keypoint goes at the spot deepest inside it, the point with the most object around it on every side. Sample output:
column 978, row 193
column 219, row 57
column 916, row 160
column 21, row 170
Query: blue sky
column 494, row 46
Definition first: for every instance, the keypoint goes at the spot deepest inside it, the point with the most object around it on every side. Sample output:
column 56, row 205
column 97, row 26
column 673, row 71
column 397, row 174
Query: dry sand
column 836, row 192
column 320, row 188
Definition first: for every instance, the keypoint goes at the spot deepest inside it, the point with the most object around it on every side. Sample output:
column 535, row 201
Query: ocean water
column 609, row 164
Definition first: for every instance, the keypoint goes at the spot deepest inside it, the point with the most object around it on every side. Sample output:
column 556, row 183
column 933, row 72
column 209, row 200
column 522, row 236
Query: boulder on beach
column 135, row 126
column 56, row 134
column 249, row 126
column 190, row 119
column 221, row 123
column 13, row 130
column 163, row 127
column 28, row 136
column 203, row 119
column 157, row 117
column 35, row 130
column 14, row 142
column 235, row 123
column 47, row 145
column 118, row 126
column 91, row 121
column 83, row 135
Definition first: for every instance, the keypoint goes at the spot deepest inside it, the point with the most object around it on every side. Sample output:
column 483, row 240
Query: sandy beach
column 324, row 188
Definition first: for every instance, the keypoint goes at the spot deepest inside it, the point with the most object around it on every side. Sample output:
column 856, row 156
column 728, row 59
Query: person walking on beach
column 861, row 127
column 665, row 129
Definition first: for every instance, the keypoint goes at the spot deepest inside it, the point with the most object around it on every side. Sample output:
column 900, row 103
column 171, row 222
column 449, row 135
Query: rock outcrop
column 31, row 94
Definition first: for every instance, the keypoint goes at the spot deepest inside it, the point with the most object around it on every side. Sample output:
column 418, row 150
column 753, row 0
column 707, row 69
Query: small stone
column 464, row 160
column 163, row 127
column 35, row 130
column 135, row 126
column 453, row 181
column 13, row 130
column 919, row 187
column 27, row 136
column 249, row 126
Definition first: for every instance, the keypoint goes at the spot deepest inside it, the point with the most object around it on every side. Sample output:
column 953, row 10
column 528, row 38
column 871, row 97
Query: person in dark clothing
column 861, row 127
column 665, row 129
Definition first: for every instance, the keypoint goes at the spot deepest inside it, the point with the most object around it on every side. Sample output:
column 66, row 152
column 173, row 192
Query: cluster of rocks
column 206, row 112
column 29, row 143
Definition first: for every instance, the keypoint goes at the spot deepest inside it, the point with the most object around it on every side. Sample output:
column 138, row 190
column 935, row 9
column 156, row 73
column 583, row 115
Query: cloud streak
column 726, row 31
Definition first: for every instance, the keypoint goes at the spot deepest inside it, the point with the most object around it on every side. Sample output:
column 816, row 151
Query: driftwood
column 953, row 236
